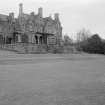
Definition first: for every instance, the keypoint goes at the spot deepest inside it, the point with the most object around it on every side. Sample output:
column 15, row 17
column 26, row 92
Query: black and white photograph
column 52, row 52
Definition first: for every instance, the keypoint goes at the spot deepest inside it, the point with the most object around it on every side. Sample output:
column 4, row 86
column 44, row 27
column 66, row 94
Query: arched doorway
column 1, row 39
column 36, row 39
column 8, row 40
column 41, row 40
column 24, row 38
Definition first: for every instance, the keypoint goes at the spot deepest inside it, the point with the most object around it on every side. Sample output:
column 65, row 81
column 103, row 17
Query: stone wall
column 24, row 48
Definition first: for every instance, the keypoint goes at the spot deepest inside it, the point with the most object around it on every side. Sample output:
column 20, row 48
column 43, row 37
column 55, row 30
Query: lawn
column 52, row 79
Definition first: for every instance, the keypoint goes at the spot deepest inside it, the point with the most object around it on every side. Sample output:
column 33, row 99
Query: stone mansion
column 30, row 28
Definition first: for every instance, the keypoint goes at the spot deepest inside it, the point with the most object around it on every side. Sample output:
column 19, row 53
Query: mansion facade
column 30, row 28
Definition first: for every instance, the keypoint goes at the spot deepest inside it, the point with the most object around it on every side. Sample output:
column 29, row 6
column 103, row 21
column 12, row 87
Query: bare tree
column 83, row 35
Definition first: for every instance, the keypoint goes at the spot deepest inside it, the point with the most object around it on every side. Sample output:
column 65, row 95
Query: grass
column 52, row 79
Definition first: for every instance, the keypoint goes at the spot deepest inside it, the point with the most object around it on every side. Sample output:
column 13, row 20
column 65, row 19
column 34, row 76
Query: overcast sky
column 74, row 14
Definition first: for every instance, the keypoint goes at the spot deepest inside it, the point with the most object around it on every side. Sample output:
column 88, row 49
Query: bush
column 93, row 44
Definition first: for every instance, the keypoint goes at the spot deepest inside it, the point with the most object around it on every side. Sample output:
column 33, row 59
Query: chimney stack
column 11, row 15
column 20, row 9
column 56, row 16
column 40, row 12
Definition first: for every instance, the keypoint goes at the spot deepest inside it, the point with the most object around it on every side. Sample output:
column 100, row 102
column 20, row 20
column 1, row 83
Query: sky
column 74, row 14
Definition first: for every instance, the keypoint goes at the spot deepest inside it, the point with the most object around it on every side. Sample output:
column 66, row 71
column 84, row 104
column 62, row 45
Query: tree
column 82, row 38
column 83, row 35
column 94, row 45
column 67, row 40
